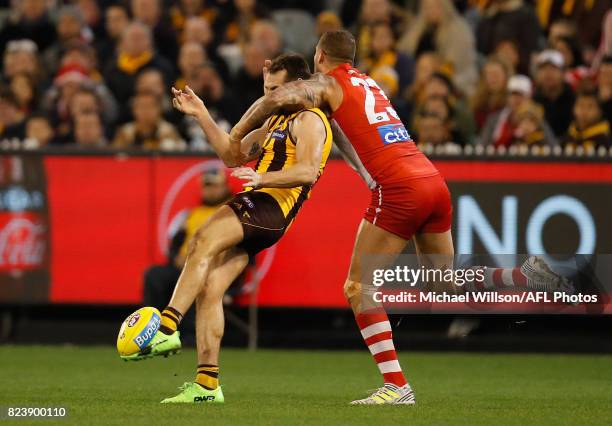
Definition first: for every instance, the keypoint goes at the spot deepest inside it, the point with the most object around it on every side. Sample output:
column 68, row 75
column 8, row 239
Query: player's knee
column 202, row 246
column 351, row 289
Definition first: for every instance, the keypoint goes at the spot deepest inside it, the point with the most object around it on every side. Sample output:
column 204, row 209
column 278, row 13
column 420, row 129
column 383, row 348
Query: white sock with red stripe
column 376, row 331
column 498, row 279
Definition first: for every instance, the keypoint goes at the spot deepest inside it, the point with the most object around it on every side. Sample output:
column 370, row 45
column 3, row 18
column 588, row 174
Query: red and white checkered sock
column 376, row 331
column 498, row 279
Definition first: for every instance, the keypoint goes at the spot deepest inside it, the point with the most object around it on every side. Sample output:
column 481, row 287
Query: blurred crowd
column 490, row 73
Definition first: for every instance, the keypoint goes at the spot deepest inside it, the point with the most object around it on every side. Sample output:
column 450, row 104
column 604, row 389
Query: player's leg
column 209, row 328
column 222, row 231
column 371, row 317
column 436, row 251
column 209, row 304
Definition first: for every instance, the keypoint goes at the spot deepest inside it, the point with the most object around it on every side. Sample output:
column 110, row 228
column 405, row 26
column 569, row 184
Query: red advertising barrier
column 110, row 218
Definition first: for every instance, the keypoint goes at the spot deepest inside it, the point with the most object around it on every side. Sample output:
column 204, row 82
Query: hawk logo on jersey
column 392, row 133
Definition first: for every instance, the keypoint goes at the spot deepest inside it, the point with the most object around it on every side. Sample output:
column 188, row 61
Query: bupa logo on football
column 148, row 332
column 392, row 133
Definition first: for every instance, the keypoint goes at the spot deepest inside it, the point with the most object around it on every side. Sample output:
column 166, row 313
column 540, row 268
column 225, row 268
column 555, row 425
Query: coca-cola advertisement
column 24, row 230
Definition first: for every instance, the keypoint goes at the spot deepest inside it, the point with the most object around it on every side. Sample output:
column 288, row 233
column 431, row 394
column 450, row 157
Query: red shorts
column 413, row 206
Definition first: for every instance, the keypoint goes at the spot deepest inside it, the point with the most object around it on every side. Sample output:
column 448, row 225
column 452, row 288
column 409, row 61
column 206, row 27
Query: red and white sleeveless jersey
column 374, row 129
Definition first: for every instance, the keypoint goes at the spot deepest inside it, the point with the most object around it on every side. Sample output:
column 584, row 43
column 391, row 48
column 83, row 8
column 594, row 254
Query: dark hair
column 295, row 65
column 607, row 59
column 338, row 45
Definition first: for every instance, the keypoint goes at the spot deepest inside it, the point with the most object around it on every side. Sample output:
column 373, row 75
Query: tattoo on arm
column 290, row 97
column 255, row 148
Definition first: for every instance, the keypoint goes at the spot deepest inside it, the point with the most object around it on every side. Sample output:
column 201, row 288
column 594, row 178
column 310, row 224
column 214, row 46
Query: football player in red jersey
column 410, row 199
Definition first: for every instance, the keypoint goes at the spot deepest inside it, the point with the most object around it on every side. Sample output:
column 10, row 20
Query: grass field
column 310, row 388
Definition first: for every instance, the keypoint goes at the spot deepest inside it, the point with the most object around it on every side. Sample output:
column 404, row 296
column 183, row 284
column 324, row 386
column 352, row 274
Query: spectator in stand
column 134, row 55
column 491, row 93
column 552, row 92
column 191, row 57
column 500, row 128
column 20, row 56
column 24, row 89
column 248, row 83
column 586, row 15
column 509, row 20
column 198, row 30
column 84, row 101
column 88, row 131
column 372, row 12
column 150, row 13
column 392, row 70
column 219, row 101
column 117, row 20
column 12, row 119
column 151, row 80
column 441, row 86
column 561, row 28
column 264, row 34
column 575, row 69
column 507, row 52
column 433, row 123
column 92, row 17
column 589, row 129
column 148, row 130
column 238, row 20
column 69, row 28
column 39, row 132
column 30, row 21
column 604, row 86
column 530, row 129
column 327, row 21
column 69, row 80
column 439, row 28
column 83, row 56
column 186, row 9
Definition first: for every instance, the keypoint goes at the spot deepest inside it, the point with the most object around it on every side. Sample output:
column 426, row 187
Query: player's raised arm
column 320, row 91
column 189, row 103
column 310, row 134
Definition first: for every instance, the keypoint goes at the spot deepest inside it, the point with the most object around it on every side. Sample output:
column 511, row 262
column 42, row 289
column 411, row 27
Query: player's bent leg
column 222, row 231
column 209, row 329
column 436, row 251
column 371, row 317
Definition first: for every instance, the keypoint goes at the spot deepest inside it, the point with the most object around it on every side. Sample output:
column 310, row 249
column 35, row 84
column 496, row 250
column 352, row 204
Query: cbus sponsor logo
column 392, row 133
column 133, row 320
column 203, row 398
column 148, row 332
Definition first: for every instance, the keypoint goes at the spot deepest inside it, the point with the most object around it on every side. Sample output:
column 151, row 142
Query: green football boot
column 192, row 393
column 160, row 345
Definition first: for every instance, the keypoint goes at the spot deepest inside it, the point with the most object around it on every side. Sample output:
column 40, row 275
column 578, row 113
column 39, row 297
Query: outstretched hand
column 187, row 101
column 248, row 175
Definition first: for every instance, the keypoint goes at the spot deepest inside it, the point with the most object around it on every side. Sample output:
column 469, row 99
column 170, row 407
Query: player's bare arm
column 349, row 154
column 309, row 133
column 320, row 91
column 189, row 103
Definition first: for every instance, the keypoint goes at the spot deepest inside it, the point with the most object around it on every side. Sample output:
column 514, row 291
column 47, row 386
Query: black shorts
column 263, row 221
